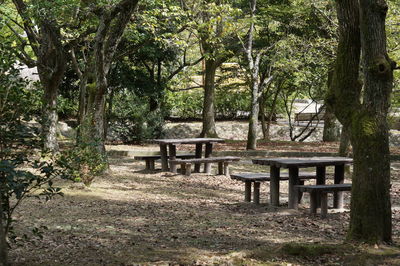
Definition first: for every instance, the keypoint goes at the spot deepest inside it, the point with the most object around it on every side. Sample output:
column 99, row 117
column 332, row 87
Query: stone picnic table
column 294, row 164
column 168, row 150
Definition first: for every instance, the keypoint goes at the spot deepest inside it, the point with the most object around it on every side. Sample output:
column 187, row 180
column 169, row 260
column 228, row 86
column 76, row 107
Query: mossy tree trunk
column 362, row 28
column 112, row 23
column 209, row 129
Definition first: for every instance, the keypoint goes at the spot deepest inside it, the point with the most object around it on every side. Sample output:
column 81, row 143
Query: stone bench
column 150, row 159
column 186, row 164
column 318, row 193
column 257, row 178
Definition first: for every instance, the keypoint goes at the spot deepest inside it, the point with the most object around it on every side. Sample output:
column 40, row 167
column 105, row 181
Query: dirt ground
column 136, row 217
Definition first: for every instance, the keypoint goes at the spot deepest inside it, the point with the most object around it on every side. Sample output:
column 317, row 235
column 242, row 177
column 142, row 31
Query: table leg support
column 199, row 151
column 221, row 168
column 207, row 153
column 293, row 181
column 338, row 179
column 247, row 191
column 172, row 156
column 274, row 185
column 164, row 157
column 321, row 180
column 313, row 202
column 256, row 193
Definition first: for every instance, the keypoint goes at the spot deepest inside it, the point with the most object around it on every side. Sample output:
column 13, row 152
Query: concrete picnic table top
column 189, row 141
column 171, row 152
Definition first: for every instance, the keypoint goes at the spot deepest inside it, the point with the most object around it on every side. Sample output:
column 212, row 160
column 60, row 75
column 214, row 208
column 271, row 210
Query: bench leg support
column 226, row 169
column 247, row 191
column 173, row 169
column 324, row 204
column 147, row 165
column 188, row 169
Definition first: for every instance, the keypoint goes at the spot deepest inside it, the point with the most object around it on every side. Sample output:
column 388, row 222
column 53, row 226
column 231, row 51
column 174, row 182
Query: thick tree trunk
column 112, row 24
column 209, row 129
column 370, row 218
column 253, row 119
column 331, row 126
column 51, row 65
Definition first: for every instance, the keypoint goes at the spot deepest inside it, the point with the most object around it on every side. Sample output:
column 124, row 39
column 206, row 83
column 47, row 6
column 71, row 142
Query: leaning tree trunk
column 209, row 129
column 361, row 26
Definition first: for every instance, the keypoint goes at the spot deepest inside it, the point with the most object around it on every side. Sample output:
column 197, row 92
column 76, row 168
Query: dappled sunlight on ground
column 132, row 216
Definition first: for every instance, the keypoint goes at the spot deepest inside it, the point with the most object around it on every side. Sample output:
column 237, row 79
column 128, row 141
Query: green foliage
column 23, row 172
column 230, row 102
column 131, row 119
column 185, row 104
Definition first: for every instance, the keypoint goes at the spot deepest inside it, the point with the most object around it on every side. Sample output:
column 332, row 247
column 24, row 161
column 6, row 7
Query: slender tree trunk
column 209, row 129
column 271, row 114
column 253, row 119
column 265, row 130
column 362, row 25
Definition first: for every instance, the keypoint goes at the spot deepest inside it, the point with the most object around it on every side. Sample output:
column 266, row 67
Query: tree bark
column 344, row 145
column 209, row 129
column 371, row 218
column 362, row 27
column 331, row 127
column 51, row 65
column 112, row 23
column 253, row 121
